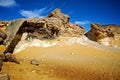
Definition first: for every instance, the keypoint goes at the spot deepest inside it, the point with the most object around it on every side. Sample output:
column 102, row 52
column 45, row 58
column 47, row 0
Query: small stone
column 72, row 53
column 34, row 62
column 4, row 76
column 33, row 71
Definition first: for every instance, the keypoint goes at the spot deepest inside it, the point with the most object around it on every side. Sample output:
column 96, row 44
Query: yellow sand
column 65, row 62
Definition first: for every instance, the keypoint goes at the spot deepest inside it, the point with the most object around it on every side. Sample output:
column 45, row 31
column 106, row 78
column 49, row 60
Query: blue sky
column 82, row 12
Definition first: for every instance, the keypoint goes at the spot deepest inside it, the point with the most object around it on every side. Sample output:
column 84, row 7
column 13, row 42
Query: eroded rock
column 101, row 34
column 50, row 27
column 11, row 58
column 59, row 15
column 3, row 36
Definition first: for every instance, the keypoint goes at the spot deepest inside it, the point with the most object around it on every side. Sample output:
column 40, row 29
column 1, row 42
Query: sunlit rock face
column 103, row 34
column 54, row 25
column 4, row 23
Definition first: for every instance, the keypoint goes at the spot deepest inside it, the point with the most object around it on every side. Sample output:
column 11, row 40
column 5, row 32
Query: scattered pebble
column 33, row 71
column 34, row 62
column 72, row 53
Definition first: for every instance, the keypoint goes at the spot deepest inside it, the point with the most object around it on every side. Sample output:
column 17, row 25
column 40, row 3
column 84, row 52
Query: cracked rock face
column 55, row 24
column 103, row 34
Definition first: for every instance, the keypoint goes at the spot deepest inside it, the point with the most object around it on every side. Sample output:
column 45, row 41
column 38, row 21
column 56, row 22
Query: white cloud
column 82, row 22
column 35, row 13
column 8, row 3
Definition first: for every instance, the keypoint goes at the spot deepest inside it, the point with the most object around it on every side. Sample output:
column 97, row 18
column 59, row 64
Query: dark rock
column 1, row 40
column 34, row 62
column 4, row 76
column 3, row 34
column 11, row 58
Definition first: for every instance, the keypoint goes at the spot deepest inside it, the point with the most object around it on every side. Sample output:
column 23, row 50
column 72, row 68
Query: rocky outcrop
column 4, row 23
column 103, row 34
column 55, row 24
column 57, row 14
column 7, row 57
column 3, row 36
column 11, row 58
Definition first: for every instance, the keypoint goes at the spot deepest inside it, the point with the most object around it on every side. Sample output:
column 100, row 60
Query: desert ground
column 66, row 59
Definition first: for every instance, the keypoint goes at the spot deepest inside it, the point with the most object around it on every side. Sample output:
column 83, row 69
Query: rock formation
column 55, row 24
column 3, row 23
column 7, row 57
column 103, row 34
column 11, row 58
column 3, row 36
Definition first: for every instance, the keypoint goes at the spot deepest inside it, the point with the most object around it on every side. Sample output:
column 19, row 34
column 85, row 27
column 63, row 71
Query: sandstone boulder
column 101, row 34
column 3, row 36
column 4, row 23
column 59, row 15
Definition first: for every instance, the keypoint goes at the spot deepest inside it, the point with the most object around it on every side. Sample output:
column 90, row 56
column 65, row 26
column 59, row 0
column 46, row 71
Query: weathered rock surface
column 57, row 14
column 3, row 23
column 4, row 76
column 103, row 34
column 3, row 36
column 55, row 24
column 11, row 58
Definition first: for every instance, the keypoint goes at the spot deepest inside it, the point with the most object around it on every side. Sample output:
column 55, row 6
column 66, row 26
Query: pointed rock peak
column 55, row 12
column 58, row 14
column 95, row 25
